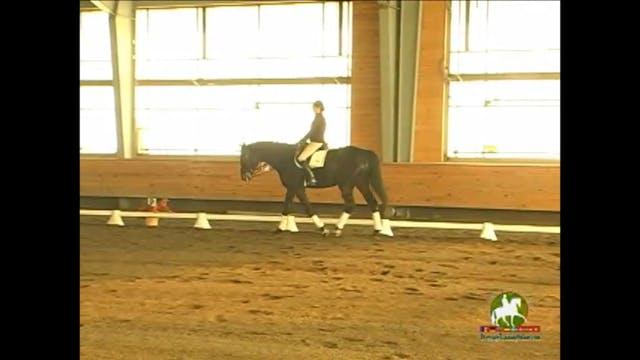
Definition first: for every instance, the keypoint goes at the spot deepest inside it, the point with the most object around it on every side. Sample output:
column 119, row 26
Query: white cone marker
column 202, row 222
column 488, row 233
column 115, row 218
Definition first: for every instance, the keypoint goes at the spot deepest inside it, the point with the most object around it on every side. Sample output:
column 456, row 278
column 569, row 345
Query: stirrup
column 309, row 178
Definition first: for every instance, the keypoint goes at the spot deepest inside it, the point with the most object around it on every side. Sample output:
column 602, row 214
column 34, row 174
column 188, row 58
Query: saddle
column 316, row 160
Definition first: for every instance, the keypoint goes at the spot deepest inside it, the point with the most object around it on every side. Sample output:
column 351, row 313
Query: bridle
column 260, row 169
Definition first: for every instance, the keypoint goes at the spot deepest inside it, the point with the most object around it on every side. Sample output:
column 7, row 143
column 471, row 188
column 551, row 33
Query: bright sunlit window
column 216, row 120
column 97, row 120
column 97, row 106
column 95, row 46
column 504, row 70
column 194, row 48
column 244, row 42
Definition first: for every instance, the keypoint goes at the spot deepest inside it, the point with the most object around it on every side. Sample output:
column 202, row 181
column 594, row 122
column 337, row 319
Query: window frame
column 345, row 31
column 104, row 82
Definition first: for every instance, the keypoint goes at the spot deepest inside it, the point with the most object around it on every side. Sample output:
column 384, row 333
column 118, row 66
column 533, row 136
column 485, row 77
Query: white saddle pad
column 317, row 159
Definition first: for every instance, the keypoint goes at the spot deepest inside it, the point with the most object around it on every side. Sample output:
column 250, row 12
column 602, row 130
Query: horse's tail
column 377, row 184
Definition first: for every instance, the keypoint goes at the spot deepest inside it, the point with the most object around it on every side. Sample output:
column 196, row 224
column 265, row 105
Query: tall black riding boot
column 311, row 179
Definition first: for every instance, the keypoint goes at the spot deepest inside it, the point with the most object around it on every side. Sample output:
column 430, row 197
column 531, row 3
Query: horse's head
column 250, row 164
column 517, row 302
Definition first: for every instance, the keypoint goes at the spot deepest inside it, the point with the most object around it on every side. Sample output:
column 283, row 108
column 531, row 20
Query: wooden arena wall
column 446, row 185
column 428, row 181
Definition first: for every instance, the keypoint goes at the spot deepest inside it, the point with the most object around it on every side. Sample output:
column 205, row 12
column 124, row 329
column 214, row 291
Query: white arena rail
column 306, row 220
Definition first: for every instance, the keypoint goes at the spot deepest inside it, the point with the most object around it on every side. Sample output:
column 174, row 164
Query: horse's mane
column 274, row 145
column 269, row 145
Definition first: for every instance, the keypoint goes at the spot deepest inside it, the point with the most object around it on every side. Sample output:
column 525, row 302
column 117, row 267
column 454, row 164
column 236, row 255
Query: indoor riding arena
column 433, row 231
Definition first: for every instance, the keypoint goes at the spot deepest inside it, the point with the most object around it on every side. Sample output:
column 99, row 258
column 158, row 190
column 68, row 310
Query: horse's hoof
column 382, row 233
column 325, row 232
column 338, row 232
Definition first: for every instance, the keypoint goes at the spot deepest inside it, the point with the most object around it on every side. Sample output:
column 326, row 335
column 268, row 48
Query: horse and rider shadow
column 346, row 168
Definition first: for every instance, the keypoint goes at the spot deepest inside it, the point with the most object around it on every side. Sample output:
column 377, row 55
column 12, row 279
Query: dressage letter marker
column 151, row 222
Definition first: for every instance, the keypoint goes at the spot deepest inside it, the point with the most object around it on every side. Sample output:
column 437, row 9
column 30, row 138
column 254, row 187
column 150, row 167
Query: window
column 234, row 42
column 242, row 22
column 95, row 46
column 504, row 91
column 215, row 120
column 97, row 120
column 211, row 78
column 97, row 106
column 505, row 119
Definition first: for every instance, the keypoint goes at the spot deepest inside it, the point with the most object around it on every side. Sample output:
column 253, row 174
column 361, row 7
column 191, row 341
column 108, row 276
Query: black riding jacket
column 318, row 126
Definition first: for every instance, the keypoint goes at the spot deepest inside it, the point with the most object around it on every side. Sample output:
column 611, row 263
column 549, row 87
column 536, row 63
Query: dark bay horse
column 346, row 168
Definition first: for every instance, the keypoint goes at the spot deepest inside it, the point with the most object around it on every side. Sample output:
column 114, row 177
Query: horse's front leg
column 349, row 204
column 288, row 221
column 302, row 195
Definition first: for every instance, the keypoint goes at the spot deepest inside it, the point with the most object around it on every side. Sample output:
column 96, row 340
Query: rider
column 316, row 140
column 505, row 301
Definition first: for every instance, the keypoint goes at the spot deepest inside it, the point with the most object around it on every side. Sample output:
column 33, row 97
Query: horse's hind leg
column 349, row 204
column 380, row 226
column 372, row 203
column 368, row 196
column 302, row 195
